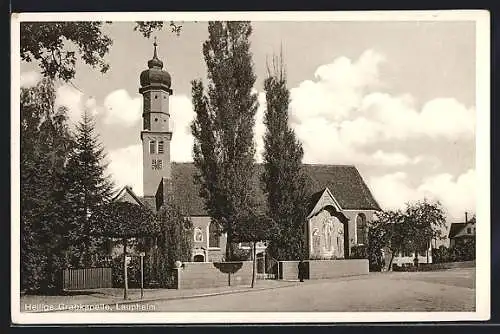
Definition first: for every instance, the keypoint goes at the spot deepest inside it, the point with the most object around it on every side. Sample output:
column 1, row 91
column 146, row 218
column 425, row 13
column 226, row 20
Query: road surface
column 450, row 290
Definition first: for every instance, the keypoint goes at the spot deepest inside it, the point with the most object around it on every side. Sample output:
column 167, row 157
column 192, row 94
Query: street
column 450, row 290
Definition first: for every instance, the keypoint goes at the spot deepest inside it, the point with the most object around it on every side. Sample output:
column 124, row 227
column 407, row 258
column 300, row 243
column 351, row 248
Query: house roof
column 344, row 182
column 127, row 191
column 455, row 229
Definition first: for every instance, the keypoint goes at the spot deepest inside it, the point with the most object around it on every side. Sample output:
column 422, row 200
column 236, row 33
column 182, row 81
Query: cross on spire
column 155, row 56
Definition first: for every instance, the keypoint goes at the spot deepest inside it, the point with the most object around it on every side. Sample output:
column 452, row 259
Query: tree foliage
column 223, row 148
column 411, row 229
column 175, row 240
column 88, row 188
column 57, row 46
column 146, row 28
column 124, row 220
column 283, row 179
column 45, row 145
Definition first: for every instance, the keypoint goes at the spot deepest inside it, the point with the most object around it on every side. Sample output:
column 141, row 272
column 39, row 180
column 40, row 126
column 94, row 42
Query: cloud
column 29, row 79
column 75, row 102
column 395, row 117
column 71, row 98
column 342, row 117
column 125, row 167
column 457, row 195
column 125, row 163
column 182, row 114
column 338, row 88
column 122, row 109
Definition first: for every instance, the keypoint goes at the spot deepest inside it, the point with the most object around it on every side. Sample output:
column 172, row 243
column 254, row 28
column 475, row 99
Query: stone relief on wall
column 316, row 241
column 333, row 237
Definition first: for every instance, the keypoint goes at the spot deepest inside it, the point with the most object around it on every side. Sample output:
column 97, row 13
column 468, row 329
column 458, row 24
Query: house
column 340, row 203
column 462, row 233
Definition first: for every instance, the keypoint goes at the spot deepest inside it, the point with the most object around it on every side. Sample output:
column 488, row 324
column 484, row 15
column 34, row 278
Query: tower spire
column 155, row 55
column 155, row 62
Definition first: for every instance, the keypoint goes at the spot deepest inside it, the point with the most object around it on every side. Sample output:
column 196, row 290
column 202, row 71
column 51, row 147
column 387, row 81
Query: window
column 213, row 235
column 361, row 229
column 469, row 231
column 198, row 235
column 152, row 146
column 160, row 147
column 157, row 164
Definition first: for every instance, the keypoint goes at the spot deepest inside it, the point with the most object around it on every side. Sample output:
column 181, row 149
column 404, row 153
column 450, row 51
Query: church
column 340, row 203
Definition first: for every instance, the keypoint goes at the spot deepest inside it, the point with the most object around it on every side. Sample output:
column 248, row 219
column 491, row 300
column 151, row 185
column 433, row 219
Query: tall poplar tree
column 223, row 128
column 283, row 179
column 88, row 188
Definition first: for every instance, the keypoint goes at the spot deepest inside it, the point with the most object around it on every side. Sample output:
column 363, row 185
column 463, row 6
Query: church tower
column 155, row 134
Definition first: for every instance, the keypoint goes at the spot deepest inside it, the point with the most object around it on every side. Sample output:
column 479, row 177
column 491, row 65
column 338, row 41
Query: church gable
column 320, row 200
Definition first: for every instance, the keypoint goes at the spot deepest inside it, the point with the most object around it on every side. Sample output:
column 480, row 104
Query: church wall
column 201, row 247
column 203, row 275
column 351, row 215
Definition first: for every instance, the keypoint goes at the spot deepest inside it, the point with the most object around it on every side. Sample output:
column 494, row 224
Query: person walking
column 301, row 271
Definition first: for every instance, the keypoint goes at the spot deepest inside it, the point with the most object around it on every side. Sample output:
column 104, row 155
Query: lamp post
column 141, row 254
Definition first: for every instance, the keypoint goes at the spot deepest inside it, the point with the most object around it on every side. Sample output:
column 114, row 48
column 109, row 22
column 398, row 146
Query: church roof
column 344, row 182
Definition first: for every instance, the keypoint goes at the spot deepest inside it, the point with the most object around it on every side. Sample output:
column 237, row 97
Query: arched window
column 361, row 237
column 213, row 235
column 198, row 235
column 160, row 147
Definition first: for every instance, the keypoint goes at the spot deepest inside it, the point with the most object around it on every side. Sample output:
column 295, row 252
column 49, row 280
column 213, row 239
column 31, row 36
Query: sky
column 395, row 99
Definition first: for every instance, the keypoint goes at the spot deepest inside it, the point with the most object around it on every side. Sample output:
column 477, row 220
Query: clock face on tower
column 157, row 164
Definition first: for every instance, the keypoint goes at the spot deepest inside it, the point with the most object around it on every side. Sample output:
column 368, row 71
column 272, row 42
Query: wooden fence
column 87, row 278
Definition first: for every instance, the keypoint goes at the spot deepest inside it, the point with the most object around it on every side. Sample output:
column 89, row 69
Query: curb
column 209, row 294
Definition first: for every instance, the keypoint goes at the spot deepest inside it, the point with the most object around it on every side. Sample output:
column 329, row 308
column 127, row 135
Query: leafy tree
column 47, row 44
column 88, row 188
column 283, row 180
column 223, row 128
column 125, row 221
column 45, row 144
column 175, row 240
column 56, row 46
column 254, row 228
column 411, row 229
column 147, row 27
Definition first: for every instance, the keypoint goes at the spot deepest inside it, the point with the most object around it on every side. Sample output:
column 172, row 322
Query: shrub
column 359, row 252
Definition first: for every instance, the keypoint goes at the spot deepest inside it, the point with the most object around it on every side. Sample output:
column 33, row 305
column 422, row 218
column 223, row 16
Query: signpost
column 142, row 254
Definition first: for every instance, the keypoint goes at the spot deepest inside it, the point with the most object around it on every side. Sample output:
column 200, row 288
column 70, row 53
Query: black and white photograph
column 250, row 167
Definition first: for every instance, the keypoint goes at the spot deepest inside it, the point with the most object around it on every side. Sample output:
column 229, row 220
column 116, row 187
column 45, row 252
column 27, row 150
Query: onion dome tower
column 155, row 135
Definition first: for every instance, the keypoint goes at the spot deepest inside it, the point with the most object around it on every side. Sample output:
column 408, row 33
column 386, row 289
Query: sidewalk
column 113, row 296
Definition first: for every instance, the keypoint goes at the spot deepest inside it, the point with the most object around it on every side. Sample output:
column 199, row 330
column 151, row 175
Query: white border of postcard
column 482, row 19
